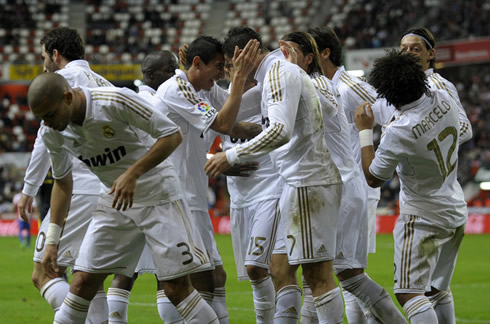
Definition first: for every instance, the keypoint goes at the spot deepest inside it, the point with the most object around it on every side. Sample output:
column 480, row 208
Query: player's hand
column 289, row 52
column 49, row 261
column 182, row 56
column 242, row 170
column 363, row 116
column 216, row 165
column 244, row 60
column 123, row 189
column 25, row 206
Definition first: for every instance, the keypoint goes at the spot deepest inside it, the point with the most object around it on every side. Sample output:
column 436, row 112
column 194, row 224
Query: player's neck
column 80, row 107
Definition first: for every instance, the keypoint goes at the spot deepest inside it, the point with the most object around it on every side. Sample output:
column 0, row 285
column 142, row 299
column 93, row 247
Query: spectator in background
column 24, row 226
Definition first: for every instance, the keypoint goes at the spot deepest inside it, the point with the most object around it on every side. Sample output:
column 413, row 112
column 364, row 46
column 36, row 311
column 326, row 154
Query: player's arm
column 243, row 64
column 282, row 113
column 245, row 130
column 35, row 174
column 364, row 119
column 60, row 206
column 124, row 187
column 465, row 129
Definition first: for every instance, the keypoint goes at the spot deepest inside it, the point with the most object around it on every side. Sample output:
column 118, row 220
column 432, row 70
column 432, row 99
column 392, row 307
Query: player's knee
column 204, row 281
column 177, row 289
column 220, row 276
column 256, row 273
column 403, row 298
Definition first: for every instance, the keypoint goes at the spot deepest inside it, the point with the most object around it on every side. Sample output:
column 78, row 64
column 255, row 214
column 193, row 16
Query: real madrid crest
column 108, row 132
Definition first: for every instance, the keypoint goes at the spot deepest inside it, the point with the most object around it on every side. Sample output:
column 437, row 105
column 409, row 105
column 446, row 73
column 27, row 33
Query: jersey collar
column 265, row 64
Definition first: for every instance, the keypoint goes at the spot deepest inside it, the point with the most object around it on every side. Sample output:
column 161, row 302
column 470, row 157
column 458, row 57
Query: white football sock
column 443, row 305
column 375, row 299
column 168, row 312
column 195, row 310
column 329, row 307
column 219, row 305
column 353, row 311
column 55, row 291
column 288, row 305
column 264, row 300
column 308, row 310
column 118, row 301
column 74, row 310
column 419, row 311
column 98, row 312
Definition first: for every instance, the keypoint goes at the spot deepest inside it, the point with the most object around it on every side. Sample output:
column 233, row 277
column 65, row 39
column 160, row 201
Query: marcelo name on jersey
column 109, row 157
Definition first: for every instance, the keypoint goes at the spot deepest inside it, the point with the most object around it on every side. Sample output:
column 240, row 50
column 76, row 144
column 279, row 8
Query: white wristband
column 366, row 137
column 54, row 233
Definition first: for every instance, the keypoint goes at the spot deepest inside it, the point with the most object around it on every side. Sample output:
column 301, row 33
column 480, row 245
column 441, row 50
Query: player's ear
column 325, row 54
column 68, row 97
column 195, row 61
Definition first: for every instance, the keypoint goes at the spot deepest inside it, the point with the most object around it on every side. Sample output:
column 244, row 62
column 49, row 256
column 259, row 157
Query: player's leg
column 118, row 298
column 440, row 294
column 259, row 241
column 288, row 293
column 311, row 215
column 74, row 229
column 188, row 302
column 416, row 250
column 83, row 288
column 177, row 251
column 351, row 260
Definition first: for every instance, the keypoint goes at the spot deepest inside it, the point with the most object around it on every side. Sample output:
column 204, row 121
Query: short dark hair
column 240, row 36
column 206, row 47
column 308, row 45
column 325, row 37
column 66, row 41
column 399, row 78
column 425, row 34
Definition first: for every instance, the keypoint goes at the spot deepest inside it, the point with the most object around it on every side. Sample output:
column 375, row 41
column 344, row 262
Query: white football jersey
column 178, row 99
column 337, row 130
column 108, row 142
column 78, row 74
column 294, row 128
column 147, row 92
column 264, row 183
column 422, row 144
column 436, row 82
column 353, row 92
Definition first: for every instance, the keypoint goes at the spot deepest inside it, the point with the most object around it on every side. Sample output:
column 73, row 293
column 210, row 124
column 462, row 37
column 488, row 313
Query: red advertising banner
column 464, row 51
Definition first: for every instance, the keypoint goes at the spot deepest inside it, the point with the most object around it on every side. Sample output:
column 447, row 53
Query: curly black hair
column 399, row 78
column 66, row 41
column 206, row 47
column 240, row 36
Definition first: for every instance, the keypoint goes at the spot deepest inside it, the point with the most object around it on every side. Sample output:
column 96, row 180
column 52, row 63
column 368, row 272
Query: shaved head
column 46, row 89
column 158, row 67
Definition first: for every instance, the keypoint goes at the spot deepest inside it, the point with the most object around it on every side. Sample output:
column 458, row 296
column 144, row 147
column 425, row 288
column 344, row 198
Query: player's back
column 305, row 159
column 424, row 136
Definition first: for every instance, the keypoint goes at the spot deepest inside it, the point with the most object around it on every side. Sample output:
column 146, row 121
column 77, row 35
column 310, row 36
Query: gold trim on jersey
column 121, row 98
column 439, row 82
column 356, row 87
column 305, row 222
column 406, row 259
column 275, row 131
column 324, row 89
column 463, row 128
column 275, row 82
column 186, row 91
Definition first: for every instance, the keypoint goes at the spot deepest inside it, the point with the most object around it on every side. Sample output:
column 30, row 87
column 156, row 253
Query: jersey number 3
column 446, row 167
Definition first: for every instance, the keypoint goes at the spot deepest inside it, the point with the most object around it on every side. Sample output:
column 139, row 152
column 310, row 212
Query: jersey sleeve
column 216, row 96
column 329, row 103
column 465, row 129
column 38, row 166
column 61, row 160
column 282, row 94
column 355, row 93
column 185, row 102
column 386, row 157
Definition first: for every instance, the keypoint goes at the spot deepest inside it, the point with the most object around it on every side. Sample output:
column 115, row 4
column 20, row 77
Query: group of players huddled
column 131, row 178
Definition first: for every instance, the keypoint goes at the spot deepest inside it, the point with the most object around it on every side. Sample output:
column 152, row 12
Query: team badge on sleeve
column 108, row 132
column 205, row 109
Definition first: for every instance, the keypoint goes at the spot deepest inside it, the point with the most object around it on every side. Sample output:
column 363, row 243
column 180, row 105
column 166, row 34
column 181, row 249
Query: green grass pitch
column 20, row 302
